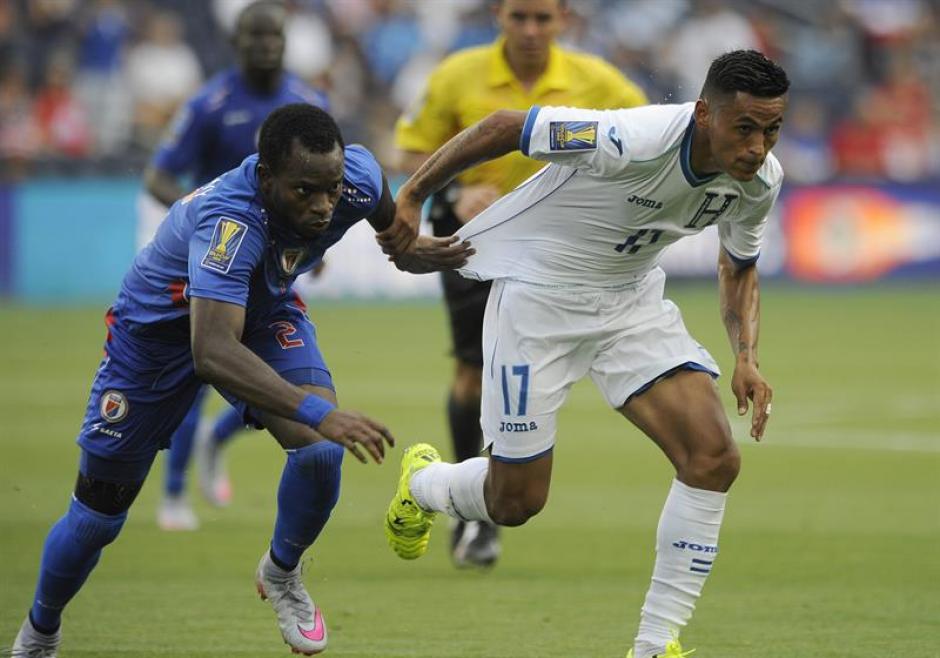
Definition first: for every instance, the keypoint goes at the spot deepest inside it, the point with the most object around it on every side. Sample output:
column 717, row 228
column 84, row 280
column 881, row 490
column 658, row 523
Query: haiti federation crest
column 114, row 406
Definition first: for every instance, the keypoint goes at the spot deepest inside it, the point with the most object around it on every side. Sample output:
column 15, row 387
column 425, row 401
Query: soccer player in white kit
column 573, row 254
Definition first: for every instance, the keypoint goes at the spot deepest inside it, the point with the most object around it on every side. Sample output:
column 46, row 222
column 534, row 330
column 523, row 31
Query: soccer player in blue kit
column 210, row 300
column 212, row 133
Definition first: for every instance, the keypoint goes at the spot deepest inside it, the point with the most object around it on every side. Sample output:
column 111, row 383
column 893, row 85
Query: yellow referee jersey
column 472, row 83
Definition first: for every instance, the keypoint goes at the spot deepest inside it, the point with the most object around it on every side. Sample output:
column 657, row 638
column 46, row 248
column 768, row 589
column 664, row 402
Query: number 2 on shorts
column 523, row 373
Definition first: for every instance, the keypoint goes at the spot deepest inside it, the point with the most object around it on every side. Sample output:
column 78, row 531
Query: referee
column 522, row 68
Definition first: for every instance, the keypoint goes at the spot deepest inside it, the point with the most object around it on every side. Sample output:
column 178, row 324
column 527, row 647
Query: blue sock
column 227, row 424
column 72, row 549
column 181, row 447
column 308, row 492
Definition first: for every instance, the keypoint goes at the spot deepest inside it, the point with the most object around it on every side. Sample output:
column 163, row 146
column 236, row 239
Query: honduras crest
column 572, row 135
column 226, row 239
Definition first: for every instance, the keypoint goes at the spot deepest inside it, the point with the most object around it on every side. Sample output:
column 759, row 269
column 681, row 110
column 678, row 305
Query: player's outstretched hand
column 351, row 430
column 396, row 239
column 748, row 384
column 429, row 254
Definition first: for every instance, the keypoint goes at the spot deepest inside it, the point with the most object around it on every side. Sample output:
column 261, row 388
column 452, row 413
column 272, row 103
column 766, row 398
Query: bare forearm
column 494, row 136
column 739, row 292
column 232, row 366
column 163, row 187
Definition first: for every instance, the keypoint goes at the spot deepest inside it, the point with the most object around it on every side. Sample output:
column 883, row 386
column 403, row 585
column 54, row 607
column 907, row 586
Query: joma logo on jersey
column 572, row 135
column 517, row 427
column 645, row 203
column 701, row 548
column 226, row 239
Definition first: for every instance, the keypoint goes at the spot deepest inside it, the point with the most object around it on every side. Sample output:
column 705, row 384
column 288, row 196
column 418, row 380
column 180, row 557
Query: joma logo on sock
column 695, row 547
column 517, row 427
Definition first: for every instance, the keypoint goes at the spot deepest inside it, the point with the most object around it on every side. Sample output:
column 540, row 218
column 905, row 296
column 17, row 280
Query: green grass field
column 829, row 548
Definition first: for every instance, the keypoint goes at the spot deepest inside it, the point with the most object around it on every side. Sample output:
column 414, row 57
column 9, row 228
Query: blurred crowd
column 89, row 86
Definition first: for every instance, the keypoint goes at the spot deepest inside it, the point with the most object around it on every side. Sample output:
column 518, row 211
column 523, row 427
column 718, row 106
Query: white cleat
column 214, row 482
column 176, row 515
column 30, row 643
column 475, row 544
column 298, row 617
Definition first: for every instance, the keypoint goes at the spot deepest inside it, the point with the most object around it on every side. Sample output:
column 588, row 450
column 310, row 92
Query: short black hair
column 748, row 71
column 315, row 129
column 259, row 5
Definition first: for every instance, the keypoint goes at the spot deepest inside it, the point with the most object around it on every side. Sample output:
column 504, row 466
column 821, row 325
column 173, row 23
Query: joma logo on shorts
column 702, row 548
column 517, row 427
column 646, row 203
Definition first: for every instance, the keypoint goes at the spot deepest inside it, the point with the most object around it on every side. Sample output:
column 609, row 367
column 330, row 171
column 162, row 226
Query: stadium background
column 830, row 542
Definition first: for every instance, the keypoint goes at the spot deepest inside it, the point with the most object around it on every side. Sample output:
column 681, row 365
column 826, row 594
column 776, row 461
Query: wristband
column 313, row 410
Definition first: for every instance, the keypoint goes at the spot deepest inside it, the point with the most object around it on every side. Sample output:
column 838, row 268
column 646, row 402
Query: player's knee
column 104, row 497
column 92, row 528
column 715, row 469
column 515, row 510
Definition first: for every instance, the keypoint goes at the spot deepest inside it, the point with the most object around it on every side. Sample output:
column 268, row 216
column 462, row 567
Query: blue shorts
column 146, row 382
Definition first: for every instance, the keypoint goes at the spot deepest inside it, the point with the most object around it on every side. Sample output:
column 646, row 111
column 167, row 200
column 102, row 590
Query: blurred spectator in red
column 20, row 137
column 858, row 140
column 907, row 106
column 162, row 71
column 62, row 120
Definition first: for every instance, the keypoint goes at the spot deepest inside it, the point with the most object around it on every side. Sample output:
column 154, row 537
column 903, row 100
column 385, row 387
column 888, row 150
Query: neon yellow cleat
column 407, row 526
column 673, row 650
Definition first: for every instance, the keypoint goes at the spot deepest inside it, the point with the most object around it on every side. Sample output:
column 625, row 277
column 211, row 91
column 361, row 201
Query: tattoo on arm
column 494, row 136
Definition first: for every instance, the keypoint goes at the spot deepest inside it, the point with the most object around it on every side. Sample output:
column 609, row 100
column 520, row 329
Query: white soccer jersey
column 618, row 191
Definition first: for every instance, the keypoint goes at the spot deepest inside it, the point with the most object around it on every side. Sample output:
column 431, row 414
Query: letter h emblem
column 711, row 214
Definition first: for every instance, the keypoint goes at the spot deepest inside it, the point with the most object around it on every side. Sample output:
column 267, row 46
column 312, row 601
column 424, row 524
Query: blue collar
column 685, row 158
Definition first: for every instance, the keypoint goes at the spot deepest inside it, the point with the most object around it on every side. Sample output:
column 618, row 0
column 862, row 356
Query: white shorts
column 538, row 341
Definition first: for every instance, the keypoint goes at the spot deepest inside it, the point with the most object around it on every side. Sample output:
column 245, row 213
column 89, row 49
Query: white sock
column 455, row 489
column 686, row 547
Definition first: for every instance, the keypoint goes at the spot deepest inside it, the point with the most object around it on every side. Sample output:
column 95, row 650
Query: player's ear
column 265, row 176
column 701, row 112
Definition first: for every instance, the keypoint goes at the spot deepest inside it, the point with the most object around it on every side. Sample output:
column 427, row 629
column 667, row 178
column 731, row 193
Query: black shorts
column 465, row 298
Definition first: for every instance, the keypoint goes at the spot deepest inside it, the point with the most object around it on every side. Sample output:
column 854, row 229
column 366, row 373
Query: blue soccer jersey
column 218, row 127
column 216, row 243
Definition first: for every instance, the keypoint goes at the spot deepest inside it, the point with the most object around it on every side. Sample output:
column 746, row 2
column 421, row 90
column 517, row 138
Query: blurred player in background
column 522, row 68
column 210, row 300
column 573, row 254
column 214, row 132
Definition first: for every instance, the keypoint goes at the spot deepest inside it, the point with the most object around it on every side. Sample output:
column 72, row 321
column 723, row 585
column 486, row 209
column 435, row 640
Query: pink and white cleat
column 30, row 643
column 298, row 617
